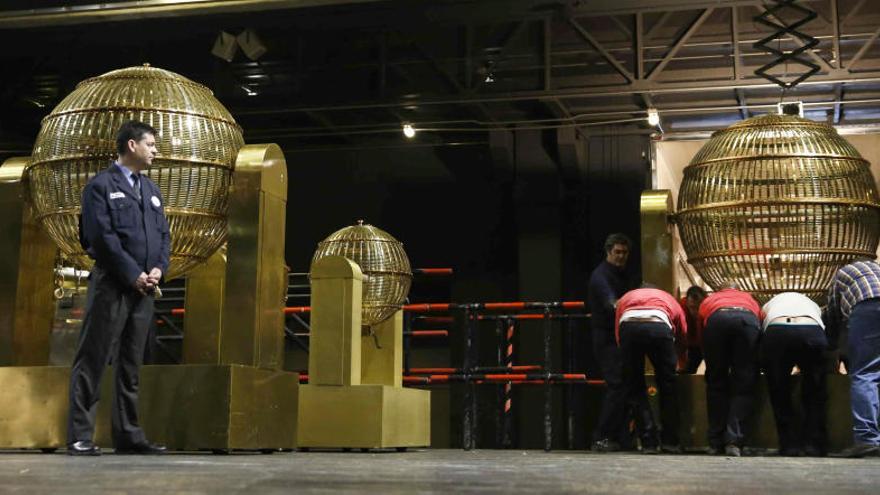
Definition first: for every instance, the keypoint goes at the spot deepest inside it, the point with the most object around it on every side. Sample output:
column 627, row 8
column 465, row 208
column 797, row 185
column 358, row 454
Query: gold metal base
column 186, row 407
column 364, row 416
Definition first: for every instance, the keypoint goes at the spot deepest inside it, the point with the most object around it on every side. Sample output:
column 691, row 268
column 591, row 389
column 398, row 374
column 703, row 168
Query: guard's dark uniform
column 126, row 233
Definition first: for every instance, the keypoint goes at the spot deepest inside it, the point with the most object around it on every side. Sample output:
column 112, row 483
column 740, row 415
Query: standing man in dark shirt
column 607, row 285
column 124, row 229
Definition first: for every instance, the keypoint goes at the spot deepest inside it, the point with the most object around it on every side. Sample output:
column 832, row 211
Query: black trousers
column 653, row 340
column 612, row 422
column 114, row 331
column 783, row 347
column 695, row 357
column 730, row 345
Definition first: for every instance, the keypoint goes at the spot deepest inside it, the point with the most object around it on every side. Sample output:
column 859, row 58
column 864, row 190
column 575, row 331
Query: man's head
column 617, row 249
column 136, row 145
column 693, row 298
column 730, row 284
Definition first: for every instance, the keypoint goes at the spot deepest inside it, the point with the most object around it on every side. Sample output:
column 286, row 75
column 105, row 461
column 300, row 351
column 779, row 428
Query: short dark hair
column 616, row 238
column 131, row 129
column 696, row 292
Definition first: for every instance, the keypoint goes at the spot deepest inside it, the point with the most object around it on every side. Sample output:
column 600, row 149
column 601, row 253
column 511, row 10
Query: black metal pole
column 548, row 388
column 499, row 360
column 569, row 388
column 407, row 340
column 468, row 419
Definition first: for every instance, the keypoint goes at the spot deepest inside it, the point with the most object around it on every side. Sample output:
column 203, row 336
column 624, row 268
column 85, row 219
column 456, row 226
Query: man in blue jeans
column 855, row 296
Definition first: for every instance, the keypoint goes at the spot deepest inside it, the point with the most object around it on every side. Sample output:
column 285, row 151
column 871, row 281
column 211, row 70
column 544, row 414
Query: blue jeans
column 864, row 368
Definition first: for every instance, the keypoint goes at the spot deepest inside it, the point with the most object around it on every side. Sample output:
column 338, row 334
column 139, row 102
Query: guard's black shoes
column 859, row 450
column 83, row 447
column 142, row 449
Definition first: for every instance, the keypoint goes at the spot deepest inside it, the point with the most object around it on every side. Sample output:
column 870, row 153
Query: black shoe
column 790, row 452
column 859, row 450
column 732, row 450
column 83, row 447
column 671, row 448
column 142, row 449
column 605, row 445
column 651, row 449
column 813, row 451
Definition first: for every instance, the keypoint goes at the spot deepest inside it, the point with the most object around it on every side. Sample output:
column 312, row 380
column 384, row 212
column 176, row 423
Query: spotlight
column 791, row 108
column 409, row 131
column 490, row 72
column 250, row 44
column 225, row 46
column 249, row 91
column 653, row 117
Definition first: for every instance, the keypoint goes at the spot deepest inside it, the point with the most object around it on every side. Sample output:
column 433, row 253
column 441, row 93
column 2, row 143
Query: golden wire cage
column 197, row 140
column 777, row 203
column 386, row 269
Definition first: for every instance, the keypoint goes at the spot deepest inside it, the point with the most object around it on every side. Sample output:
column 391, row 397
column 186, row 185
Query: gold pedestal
column 186, row 407
column 355, row 397
column 364, row 416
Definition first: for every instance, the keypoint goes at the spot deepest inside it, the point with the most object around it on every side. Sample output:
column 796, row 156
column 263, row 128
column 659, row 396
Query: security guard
column 124, row 229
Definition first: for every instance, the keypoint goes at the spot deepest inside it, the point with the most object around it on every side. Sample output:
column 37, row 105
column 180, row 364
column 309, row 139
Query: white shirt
column 631, row 314
column 791, row 304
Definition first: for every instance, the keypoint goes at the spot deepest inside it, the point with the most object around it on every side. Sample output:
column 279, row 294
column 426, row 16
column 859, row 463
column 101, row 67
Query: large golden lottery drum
column 777, row 203
column 198, row 141
column 381, row 258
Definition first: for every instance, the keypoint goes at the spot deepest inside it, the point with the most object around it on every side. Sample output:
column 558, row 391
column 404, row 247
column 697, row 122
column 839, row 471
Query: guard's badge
column 155, row 201
column 117, row 195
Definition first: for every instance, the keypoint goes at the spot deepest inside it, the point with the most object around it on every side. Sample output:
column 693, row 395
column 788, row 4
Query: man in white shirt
column 794, row 335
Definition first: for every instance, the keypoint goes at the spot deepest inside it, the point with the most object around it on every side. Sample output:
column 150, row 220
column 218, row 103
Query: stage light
column 225, row 46
column 409, row 131
column 250, row 44
column 653, row 117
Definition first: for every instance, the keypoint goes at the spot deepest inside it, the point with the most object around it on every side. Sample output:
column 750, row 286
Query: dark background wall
column 517, row 233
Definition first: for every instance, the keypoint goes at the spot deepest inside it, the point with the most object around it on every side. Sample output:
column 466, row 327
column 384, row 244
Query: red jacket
column 728, row 298
column 652, row 299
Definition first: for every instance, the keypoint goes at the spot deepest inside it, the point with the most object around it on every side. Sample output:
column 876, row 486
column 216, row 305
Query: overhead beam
column 734, row 35
column 639, row 47
column 863, row 50
column 602, row 51
column 148, row 9
column 449, row 78
column 657, row 25
column 682, row 39
column 853, row 12
column 835, row 39
column 601, row 91
column 514, row 34
column 744, row 111
column 838, row 104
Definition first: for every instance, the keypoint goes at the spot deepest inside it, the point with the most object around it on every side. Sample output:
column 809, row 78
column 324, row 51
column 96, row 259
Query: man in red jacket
column 731, row 329
column 689, row 362
column 650, row 322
